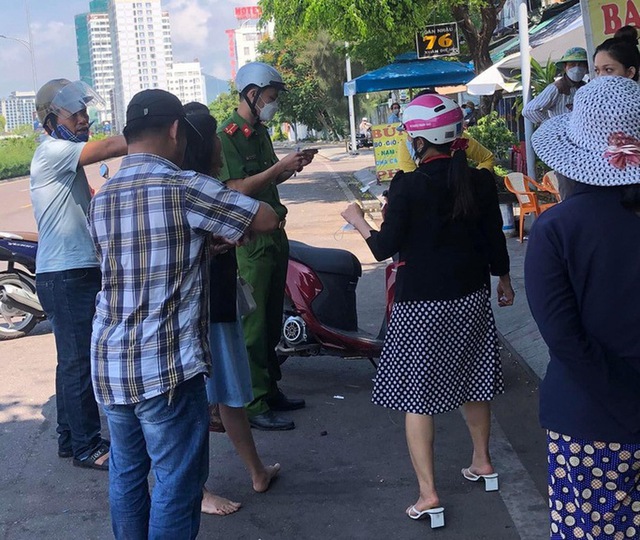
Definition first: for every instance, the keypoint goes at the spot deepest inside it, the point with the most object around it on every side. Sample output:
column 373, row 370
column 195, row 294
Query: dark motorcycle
column 320, row 315
column 20, row 308
column 362, row 141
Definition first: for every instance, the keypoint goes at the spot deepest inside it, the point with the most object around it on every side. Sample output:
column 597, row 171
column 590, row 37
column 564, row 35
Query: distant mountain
column 214, row 86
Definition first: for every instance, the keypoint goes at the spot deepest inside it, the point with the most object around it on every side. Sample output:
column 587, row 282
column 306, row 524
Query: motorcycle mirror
column 104, row 170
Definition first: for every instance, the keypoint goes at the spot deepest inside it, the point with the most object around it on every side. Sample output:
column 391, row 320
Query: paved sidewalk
column 346, row 473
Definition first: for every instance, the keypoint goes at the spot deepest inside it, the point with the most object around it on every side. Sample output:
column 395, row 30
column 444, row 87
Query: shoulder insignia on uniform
column 246, row 130
column 231, row 128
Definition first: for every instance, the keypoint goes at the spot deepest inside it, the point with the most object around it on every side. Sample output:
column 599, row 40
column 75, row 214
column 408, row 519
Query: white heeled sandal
column 490, row 480
column 435, row 514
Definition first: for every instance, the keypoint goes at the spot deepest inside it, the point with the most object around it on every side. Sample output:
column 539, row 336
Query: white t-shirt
column 60, row 196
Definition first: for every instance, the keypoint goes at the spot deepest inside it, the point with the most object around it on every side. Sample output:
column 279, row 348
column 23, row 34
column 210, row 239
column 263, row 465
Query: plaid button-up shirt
column 150, row 224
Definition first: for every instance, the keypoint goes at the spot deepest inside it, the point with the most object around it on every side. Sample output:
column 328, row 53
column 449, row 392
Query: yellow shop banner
column 602, row 18
column 390, row 151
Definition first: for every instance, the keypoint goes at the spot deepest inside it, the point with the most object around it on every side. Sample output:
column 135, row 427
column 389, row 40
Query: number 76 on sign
column 438, row 40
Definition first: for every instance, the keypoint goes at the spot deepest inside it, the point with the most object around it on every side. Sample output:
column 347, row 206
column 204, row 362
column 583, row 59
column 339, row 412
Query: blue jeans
column 169, row 435
column 68, row 298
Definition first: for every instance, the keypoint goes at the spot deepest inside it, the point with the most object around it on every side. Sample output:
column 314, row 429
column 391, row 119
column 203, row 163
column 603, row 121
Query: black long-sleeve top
column 441, row 258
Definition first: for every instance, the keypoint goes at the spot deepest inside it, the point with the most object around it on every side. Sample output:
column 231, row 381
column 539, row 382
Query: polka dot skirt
column 439, row 355
column 594, row 489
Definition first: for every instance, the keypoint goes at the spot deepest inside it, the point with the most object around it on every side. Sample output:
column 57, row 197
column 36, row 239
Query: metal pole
column 352, row 114
column 33, row 59
column 25, row 44
column 588, row 32
column 525, row 67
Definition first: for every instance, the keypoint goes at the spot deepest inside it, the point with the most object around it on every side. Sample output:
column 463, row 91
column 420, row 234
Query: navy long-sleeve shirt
column 582, row 276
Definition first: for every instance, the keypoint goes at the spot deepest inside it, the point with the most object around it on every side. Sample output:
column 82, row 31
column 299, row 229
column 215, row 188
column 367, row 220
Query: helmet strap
column 252, row 104
column 419, row 153
column 64, row 133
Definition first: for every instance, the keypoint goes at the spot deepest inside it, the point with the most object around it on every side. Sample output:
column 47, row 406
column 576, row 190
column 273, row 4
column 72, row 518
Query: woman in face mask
column 557, row 98
column 440, row 350
column 619, row 55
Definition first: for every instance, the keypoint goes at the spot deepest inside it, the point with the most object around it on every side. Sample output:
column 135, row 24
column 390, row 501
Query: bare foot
column 424, row 503
column 262, row 481
column 219, row 506
column 102, row 459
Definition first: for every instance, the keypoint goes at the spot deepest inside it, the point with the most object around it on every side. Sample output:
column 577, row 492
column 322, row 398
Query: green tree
column 493, row 133
column 380, row 29
column 15, row 156
column 3, row 123
column 312, row 98
column 23, row 130
column 222, row 107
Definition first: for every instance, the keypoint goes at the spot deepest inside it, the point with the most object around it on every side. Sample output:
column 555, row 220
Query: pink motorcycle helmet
column 433, row 117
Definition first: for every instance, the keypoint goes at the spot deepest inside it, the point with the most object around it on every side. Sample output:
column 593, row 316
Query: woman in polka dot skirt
column 581, row 275
column 440, row 351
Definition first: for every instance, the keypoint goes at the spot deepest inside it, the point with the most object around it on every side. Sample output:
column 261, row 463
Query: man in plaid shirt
column 151, row 224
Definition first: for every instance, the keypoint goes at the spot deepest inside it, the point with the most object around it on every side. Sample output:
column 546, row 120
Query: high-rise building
column 244, row 40
column 95, row 60
column 187, row 82
column 124, row 46
column 83, row 43
column 19, row 109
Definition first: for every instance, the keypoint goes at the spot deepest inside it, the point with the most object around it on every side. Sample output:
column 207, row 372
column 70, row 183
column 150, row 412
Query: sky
column 197, row 31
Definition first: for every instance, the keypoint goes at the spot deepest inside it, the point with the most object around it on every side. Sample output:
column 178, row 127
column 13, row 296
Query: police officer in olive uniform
column 251, row 167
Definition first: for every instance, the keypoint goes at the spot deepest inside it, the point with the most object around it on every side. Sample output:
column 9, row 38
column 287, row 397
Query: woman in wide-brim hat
column 557, row 98
column 581, row 275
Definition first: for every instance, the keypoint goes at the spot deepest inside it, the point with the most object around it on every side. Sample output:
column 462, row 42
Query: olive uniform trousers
column 263, row 263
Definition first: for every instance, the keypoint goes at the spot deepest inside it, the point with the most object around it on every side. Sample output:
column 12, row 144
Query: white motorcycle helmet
column 433, row 117
column 258, row 74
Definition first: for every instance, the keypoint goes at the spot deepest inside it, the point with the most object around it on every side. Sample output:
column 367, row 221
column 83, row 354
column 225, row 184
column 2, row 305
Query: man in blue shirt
column 151, row 224
column 68, row 277
column 394, row 117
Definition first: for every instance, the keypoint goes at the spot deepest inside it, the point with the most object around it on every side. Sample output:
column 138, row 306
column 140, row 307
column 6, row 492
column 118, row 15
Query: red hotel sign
column 249, row 12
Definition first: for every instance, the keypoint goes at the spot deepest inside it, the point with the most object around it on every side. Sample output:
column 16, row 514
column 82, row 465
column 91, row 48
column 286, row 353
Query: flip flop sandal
column 90, row 461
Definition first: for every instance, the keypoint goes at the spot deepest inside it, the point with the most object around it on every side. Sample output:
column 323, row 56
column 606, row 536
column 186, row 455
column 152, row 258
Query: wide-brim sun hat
column 574, row 54
column 598, row 143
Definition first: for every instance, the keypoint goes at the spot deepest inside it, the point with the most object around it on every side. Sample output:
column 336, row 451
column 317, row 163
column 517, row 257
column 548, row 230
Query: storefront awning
column 409, row 72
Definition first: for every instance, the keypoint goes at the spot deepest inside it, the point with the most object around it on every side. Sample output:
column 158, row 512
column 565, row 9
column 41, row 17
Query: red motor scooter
column 320, row 316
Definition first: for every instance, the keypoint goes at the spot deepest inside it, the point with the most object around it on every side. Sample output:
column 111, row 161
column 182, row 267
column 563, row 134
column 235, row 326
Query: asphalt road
column 346, row 473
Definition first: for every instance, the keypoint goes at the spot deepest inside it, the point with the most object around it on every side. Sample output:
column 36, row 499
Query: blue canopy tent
column 407, row 71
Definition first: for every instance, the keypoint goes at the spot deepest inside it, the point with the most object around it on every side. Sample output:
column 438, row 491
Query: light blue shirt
column 60, row 196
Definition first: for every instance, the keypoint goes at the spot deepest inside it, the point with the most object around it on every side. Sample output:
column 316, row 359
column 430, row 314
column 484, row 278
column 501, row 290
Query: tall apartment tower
column 187, row 82
column 142, row 52
column 124, row 46
column 95, row 61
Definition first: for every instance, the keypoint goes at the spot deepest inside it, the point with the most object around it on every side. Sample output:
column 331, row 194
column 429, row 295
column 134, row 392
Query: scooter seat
column 325, row 260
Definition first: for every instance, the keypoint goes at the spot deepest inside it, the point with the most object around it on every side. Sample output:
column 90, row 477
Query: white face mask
column 268, row 111
column 577, row 73
column 411, row 149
